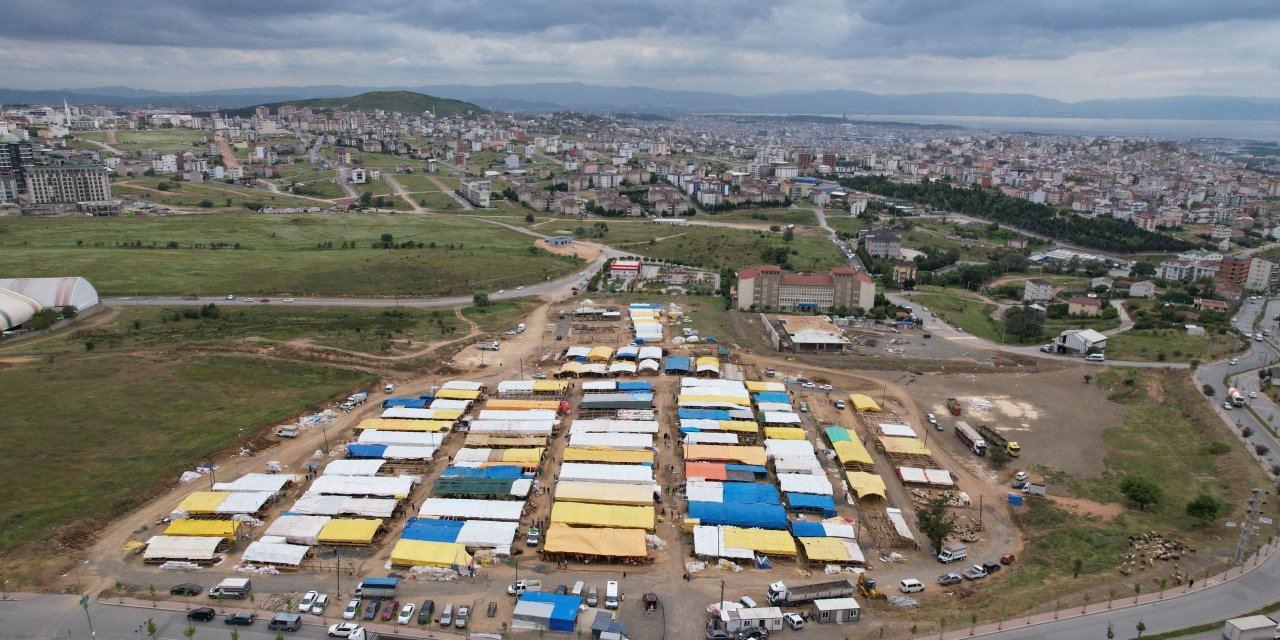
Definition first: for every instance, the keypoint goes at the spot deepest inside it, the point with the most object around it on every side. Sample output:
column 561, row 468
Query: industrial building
column 21, row 298
column 769, row 287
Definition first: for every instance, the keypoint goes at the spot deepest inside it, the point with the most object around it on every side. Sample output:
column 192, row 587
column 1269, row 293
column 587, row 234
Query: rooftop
column 812, row 330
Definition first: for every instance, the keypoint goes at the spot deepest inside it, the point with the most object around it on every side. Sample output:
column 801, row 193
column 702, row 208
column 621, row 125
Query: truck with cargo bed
column 780, row 594
column 1250, row 628
column 971, row 438
column 953, row 406
column 377, row 587
column 995, row 439
column 520, row 586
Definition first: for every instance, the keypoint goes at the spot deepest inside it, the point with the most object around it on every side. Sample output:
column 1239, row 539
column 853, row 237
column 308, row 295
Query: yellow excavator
column 867, row 587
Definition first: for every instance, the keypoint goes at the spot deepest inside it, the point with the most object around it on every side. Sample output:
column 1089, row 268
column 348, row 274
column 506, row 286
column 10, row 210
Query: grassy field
column 319, row 185
column 766, row 216
column 416, row 182
column 192, row 194
column 1175, row 344
column 843, row 223
column 278, row 254
column 716, row 247
column 169, row 140
column 124, row 436
column 961, row 308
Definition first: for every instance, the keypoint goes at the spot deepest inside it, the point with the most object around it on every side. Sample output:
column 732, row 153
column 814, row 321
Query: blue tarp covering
column 412, row 403
column 635, row 386
column 811, row 502
column 677, row 363
column 750, row 493
column 366, row 450
column 763, row 516
column 772, row 396
column 564, row 614
column 645, row 305
column 505, row 471
column 703, row 414
column 808, row 530
column 432, row 530
column 427, row 396
column 760, row 471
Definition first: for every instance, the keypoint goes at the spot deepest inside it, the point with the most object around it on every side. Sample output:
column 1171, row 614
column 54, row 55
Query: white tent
column 780, row 417
column 577, row 353
column 290, row 555
column 487, row 533
column 711, row 437
column 798, row 464
column 622, row 367
column 189, row 548
column 407, row 452
column 471, row 509
column 317, row 504
column 724, row 387
column 268, row 482
column 600, row 385
column 709, row 542
column 614, row 473
column 298, row 529
column 613, row 426
column 412, row 438
column 648, row 364
column 899, row 523
column 446, row 403
column 511, row 414
column 788, row 448
column 515, row 387
column 385, row 486
column 463, row 385
column 244, row 502
column 513, row 426
column 650, row 353
column 369, row 507
column 775, row 407
column 897, row 430
column 804, row 483
column 353, row 467
column 629, row 441
column 704, row 490
column 54, row 293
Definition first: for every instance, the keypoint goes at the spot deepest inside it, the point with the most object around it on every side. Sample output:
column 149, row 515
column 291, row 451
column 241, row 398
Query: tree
column 1000, row 457
column 151, row 592
column 152, row 628
column 1111, row 632
column 935, row 523
column 1076, row 566
column 788, row 235
column 366, row 199
column 1142, row 627
column 1023, row 323
column 1209, row 390
column 480, row 299
column 190, row 631
column 235, row 634
column 68, row 311
column 1141, row 491
column 528, row 217
column 1088, row 378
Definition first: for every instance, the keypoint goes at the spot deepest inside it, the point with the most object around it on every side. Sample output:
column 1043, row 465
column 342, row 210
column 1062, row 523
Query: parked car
column 719, row 634
column 352, row 609
column 539, row 376
column 1006, row 558
column 932, row 419
column 804, row 407
column 308, row 599
column 1019, row 484
column 425, row 611
column 343, row 629
column 1021, row 475
column 991, row 567
column 202, row 614
column 808, row 385
column 794, row 621
column 825, row 387
column 186, row 589
column 406, row 613
column 321, row 603
column 840, row 404
column 1233, row 361
column 464, row 614
column 241, row 619
column 753, row 633
column 371, row 609
column 948, row 579
column 389, row 611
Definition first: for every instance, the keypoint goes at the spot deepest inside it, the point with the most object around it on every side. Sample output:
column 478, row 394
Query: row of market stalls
column 646, row 322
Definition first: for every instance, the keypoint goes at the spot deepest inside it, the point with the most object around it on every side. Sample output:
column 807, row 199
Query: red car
column 266, row 299
column 390, row 610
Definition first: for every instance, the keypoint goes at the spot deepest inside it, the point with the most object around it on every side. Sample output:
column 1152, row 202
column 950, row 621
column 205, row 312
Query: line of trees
column 1104, row 233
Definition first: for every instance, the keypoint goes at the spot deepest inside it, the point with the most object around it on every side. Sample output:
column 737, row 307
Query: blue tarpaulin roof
column 762, row 471
column 635, row 386
column 412, row 403
column 808, row 530
column 355, row 450
column 772, row 396
column 750, row 493
column 505, row 471
column 811, row 502
column 564, row 614
column 703, row 414
column 763, row 516
column 432, row 530
column 677, row 363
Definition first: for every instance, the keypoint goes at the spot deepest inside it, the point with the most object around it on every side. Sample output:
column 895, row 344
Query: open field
column 961, row 308
column 716, row 247
column 192, row 194
column 844, row 223
column 799, row 217
column 318, row 185
column 277, row 255
column 168, row 140
column 414, row 182
column 1174, row 344
column 301, row 171
column 102, row 454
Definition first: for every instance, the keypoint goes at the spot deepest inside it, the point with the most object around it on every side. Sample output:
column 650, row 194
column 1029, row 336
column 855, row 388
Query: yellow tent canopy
column 764, row 541
column 530, row 455
column 862, row 402
column 784, row 433
column 707, row 360
column 404, row 424
column 688, row 398
column 615, row 456
column 485, row 440
column 521, row 405
column 209, row 528
column 599, row 354
column 725, row 453
column 550, row 386
column 203, row 501
column 349, row 530
column 829, row 550
column 905, row 446
column 616, row 543
column 604, row 493
column 414, row 553
column 458, row 394
column 739, row 426
column 603, row 515
column 866, row 484
column 851, row 452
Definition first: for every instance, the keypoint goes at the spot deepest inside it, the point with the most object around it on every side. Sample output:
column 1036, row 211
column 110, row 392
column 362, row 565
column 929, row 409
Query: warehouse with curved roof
column 55, row 292
column 15, row 309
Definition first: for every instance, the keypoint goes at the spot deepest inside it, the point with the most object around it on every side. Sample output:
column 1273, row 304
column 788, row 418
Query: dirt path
column 96, row 319
column 400, row 191
column 445, row 188
column 105, row 146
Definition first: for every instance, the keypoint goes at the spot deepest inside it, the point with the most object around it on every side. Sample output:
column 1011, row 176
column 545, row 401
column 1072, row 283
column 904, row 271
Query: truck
column 1235, row 396
column 487, row 346
column 953, row 406
column 377, row 587
column 953, row 552
column 520, row 586
column 999, row 441
column 1250, row 628
column 231, row 588
column 1033, row 488
column 287, row 432
column 780, row 594
column 976, row 572
column 358, row 398
column 520, row 328
column 971, row 438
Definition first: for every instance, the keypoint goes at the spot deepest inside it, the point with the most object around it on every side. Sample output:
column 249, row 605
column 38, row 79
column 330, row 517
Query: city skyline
column 1088, row 50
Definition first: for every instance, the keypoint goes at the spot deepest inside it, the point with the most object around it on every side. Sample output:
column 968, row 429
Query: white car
column 304, row 605
column 343, row 629
column 794, row 621
column 353, row 607
column 539, row 376
column 1253, row 394
column 406, row 613
column 502, row 290
column 808, row 385
column 1020, row 476
column 825, row 387
column 248, row 300
column 231, row 296
column 1233, row 361
column 287, row 300
column 520, row 288
column 321, row 603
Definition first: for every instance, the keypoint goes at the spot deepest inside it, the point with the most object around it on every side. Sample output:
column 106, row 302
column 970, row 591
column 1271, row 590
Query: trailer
column 377, row 587
column 780, row 594
column 999, row 441
column 971, row 438
column 953, row 406
column 1250, row 628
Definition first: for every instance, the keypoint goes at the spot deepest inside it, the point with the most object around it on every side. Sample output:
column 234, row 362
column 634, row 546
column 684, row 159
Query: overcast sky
column 1065, row 49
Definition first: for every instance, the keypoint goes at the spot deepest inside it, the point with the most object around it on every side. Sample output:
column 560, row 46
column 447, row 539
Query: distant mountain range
column 402, row 101
column 585, row 97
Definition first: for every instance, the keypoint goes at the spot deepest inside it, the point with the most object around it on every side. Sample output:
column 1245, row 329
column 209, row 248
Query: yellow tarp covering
column 905, row 446
column 725, row 453
column 851, row 451
column 614, row 543
column 862, row 402
column 483, row 440
column 604, row 493
column 458, row 394
column 616, row 456
column 599, row 354
column 686, row 398
column 203, row 501
column 826, row 550
column 573, row 366
column 784, row 433
column 522, row 405
column 866, row 484
column 404, row 424
column 222, row 528
column 408, row 553
column 756, row 385
column 764, row 541
column 643, row 313
column 739, row 426
column 602, row 515
column 707, row 360
column 350, row 530
column 532, row 455
column 546, row 386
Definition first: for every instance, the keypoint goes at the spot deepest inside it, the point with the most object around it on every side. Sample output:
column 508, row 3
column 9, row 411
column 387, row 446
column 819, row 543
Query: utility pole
column 1246, row 528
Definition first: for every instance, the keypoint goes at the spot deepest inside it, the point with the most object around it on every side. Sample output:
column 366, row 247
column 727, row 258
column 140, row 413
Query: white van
column 446, row 616
column 577, row 589
column 611, row 594
column 911, row 585
column 747, row 602
column 1095, row 357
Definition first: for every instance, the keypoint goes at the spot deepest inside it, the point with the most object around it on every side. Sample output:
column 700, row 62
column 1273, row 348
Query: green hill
column 402, row 101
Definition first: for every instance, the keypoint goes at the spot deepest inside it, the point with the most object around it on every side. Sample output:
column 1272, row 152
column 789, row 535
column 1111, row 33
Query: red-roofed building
column 624, row 269
column 1082, row 306
column 769, row 287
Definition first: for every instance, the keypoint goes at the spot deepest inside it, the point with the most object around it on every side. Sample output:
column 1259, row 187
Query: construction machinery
column 867, row 587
